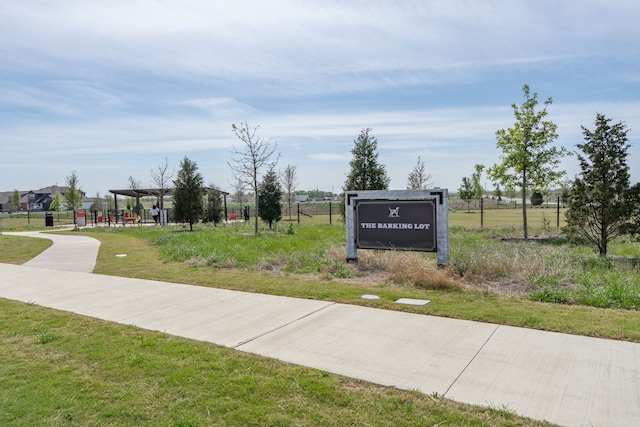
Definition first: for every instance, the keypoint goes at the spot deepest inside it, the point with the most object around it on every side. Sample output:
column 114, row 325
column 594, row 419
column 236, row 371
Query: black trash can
column 48, row 220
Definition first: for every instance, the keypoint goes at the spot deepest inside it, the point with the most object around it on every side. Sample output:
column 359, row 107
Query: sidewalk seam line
column 471, row 361
column 157, row 309
column 248, row 340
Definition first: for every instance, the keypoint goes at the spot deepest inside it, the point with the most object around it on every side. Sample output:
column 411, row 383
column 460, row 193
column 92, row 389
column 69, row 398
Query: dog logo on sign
column 394, row 212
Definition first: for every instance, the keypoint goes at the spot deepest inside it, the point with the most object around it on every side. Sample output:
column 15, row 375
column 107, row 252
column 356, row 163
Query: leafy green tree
column 366, row 172
column 633, row 227
column 15, row 199
column 132, row 202
column 528, row 160
column 72, row 194
column 466, row 191
column 498, row 192
column 601, row 201
column 214, row 211
column 55, row 203
column 536, row 198
column 188, row 204
column 269, row 198
column 478, row 190
column 419, row 179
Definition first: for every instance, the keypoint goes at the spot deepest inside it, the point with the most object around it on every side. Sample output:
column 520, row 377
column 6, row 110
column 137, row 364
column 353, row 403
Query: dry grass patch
column 399, row 268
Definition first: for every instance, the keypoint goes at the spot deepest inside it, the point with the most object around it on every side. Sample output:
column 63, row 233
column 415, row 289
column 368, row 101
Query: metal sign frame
column 407, row 225
column 398, row 218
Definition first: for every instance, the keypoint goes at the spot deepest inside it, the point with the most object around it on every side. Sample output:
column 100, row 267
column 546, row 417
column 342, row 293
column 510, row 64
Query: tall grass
column 546, row 268
column 490, row 256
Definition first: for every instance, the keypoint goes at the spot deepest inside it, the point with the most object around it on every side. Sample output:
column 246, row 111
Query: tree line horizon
column 602, row 202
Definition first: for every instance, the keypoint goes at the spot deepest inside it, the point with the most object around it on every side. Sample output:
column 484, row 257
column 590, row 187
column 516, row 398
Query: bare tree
column 419, row 179
column 238, row 191
column 98, row 202
column 289, row 182
column 254, row 155
column 160, row 178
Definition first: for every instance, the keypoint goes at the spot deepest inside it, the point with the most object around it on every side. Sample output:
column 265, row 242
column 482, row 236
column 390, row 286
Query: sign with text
column 408, row 225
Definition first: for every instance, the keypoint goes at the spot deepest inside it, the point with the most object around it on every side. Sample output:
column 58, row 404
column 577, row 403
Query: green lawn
column 60, row 369
column 24, row 221
column 18, row 250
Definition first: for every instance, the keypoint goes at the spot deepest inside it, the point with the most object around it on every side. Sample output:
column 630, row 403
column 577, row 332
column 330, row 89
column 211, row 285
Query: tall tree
column 528, row 160
column 248, row 161
column 478, row 189
column 269, row 200
column 366, row 172
column 601, row 200
column 466, row 191
column 72, row 194
column 419, row 179
column 55, row 203
column 290, row 182
column 214, row 209
column 188, row 204
column 15, row 199
column 161, row 177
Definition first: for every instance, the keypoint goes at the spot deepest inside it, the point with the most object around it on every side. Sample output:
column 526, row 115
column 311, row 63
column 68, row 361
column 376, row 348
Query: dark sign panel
column 408, row 225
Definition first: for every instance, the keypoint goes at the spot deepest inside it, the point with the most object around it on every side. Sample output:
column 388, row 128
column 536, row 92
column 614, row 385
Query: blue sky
column 111, row 89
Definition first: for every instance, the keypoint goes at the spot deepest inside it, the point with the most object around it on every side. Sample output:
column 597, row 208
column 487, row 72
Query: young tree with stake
column 250, row 159
column 528, row 160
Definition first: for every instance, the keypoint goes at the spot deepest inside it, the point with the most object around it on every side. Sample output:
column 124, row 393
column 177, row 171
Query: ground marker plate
column 411, row 301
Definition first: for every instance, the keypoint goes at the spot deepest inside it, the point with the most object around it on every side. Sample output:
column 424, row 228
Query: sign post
column 408, row 220
column 81, row 217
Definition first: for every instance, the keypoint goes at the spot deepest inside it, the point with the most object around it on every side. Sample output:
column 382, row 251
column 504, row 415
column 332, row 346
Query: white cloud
column 115, row 86
column 327, row 46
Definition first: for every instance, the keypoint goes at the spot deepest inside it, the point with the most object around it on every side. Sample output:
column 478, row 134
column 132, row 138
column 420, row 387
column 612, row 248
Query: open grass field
column 537, row 218
column 504, row 217
column 32, row 221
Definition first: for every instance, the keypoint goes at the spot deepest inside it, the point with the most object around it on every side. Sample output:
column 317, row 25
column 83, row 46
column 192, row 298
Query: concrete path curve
column 71, row 253
column 565, row 379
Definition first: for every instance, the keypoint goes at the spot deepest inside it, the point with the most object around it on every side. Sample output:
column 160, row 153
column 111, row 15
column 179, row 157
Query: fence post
column 558, row 213
column 330, row 223
column 481, row 212
column 298, row 213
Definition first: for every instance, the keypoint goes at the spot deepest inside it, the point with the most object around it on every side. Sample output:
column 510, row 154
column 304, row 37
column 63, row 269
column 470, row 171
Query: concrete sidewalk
column 569, row 380
column 72, row 253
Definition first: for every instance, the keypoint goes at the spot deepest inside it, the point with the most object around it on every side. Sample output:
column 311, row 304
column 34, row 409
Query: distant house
column 37, row 200
column 5, row 201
